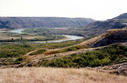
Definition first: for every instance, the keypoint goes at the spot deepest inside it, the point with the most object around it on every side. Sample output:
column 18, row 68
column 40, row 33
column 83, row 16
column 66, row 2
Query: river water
column 68, row 37
column 19, row 31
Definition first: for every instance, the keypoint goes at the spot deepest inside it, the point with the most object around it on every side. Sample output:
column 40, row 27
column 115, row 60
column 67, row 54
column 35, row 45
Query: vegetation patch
column 100, row 57
column 14, row 50
column 12, row 54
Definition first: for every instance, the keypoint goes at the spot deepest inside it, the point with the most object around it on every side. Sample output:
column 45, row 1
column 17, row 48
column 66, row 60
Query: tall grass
column 57, row 75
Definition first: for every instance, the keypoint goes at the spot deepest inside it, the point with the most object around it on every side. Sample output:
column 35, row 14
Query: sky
column 96, row 9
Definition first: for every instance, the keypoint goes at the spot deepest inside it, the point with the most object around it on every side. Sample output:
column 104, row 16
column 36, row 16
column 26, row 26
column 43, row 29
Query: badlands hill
column 121, row 16
column 42, row 22
column 99, row 27
column 109, row 37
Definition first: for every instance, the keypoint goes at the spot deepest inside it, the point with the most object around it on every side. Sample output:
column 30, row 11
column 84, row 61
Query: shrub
column 101, row 57
column 13, row 50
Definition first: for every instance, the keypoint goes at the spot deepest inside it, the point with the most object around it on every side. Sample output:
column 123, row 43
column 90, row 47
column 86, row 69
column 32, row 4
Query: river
column 68, row 37
column 19, row 31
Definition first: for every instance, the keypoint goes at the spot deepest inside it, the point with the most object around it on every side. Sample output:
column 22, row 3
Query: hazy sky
column 96, row 9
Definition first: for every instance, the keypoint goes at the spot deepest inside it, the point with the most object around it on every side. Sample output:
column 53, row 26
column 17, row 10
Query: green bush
column 14, row 50
column 101, row 57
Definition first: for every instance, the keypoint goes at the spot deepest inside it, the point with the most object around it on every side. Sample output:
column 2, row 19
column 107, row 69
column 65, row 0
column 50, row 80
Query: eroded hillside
column 109, row 37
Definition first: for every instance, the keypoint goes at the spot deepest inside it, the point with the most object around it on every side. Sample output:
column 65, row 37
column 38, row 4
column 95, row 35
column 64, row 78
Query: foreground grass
column 57, row 75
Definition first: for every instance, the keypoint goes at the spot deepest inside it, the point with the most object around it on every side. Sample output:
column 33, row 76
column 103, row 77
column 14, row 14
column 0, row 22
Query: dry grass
column 57, row 75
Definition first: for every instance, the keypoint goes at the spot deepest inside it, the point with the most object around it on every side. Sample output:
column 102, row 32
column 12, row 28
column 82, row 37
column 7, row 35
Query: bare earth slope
column 109, row 37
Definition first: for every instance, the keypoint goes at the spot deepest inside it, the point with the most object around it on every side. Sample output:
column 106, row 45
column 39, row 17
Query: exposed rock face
column 99, row 27
column 109, row 37
column 112, row 36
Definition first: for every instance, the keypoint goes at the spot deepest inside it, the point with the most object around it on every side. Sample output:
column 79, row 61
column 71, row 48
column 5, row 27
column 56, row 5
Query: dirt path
column 27, row 54
column 35, row 58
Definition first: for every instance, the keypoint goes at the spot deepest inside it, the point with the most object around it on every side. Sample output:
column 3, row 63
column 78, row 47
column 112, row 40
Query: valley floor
column 57, row 75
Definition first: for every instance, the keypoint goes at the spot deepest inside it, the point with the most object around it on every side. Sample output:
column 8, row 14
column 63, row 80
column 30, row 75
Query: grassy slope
column 57, row 75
